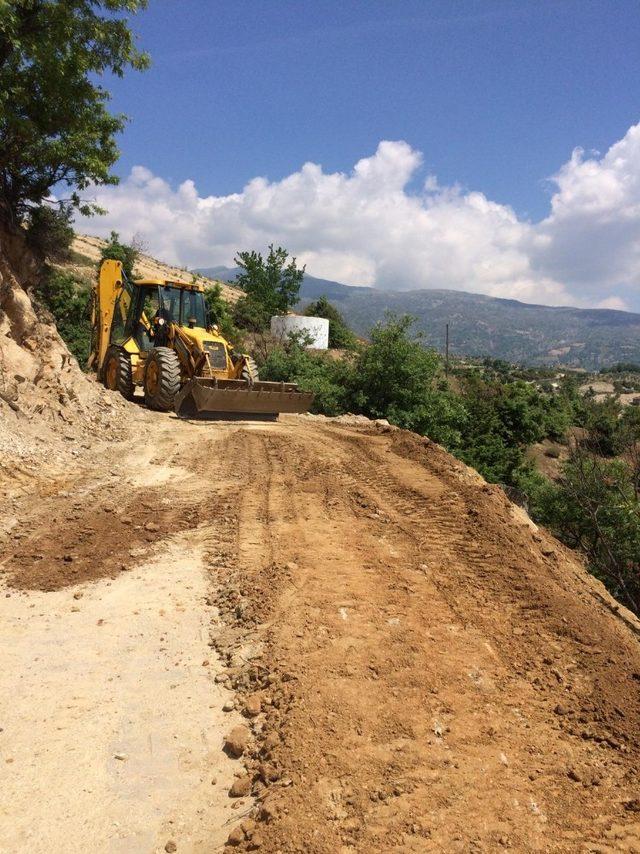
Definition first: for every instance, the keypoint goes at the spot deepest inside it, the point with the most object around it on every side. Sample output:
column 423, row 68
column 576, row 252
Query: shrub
column 127, row 254
column 67, row 299
column 340, row 336
column 595, row 509
column 250, row 314
column 329, row 379
column 394, row 374
column 271, row 286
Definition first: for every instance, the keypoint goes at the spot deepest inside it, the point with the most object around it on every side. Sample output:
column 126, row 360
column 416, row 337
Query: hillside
column 485, row 326
column 313, row 635
column 147, row 267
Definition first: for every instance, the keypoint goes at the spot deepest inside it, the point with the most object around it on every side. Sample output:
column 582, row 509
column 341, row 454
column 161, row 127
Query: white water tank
column 316, row 328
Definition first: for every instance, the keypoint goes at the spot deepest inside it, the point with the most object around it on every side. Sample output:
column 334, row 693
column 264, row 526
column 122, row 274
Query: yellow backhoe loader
column 155, row 334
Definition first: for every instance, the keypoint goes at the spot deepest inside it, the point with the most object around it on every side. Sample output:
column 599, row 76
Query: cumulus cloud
column 369, row 227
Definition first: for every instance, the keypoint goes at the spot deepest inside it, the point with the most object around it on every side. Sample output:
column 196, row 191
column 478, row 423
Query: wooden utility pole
column 446, row 351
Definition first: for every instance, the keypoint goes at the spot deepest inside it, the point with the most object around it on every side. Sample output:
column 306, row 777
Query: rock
column 236, row 836
column 632, row 805
column 229, row 706
column 236, row 741
column 574, row 775
column 548, row 552
column 151, row 526
column 171, row 846
column 121, row 756
column 268, row 810
column 253, row 706
column 268, row 773
column 249, row 827
column 77, row 595
column 241, row 787
column 255, row 842
column 291, row 566
column 560, row 709
column 272, row 740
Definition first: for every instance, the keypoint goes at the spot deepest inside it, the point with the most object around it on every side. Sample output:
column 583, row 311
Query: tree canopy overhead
column 54, row 123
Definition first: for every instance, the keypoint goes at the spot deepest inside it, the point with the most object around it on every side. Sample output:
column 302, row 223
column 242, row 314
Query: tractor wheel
column 117, row 372
column 161, row 378
column 249, row 372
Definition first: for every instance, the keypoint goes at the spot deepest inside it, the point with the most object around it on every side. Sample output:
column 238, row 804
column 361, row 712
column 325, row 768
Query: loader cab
column 157, row 305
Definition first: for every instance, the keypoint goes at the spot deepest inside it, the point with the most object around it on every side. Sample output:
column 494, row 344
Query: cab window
column 119, row 331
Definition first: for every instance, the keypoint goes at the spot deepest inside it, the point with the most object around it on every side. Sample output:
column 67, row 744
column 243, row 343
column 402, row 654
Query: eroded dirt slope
column 419, row 669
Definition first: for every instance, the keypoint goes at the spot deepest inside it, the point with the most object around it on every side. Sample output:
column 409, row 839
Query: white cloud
column 367, row 227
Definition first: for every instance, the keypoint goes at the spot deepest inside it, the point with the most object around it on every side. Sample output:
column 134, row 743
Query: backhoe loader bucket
column 211, row 398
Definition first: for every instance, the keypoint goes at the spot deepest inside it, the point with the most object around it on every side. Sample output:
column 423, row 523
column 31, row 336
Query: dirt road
column 418, row 669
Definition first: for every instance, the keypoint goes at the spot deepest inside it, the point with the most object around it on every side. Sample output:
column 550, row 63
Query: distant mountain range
column 486, row 326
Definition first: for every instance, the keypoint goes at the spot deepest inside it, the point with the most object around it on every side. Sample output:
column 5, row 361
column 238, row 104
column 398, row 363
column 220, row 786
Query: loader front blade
column 236, row 399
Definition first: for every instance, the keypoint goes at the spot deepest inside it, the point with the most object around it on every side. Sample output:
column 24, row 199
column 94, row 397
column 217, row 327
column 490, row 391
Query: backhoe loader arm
column 105, row 294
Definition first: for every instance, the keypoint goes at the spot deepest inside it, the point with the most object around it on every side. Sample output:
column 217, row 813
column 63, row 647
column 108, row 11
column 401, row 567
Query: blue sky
column 496, row 94
column 490, row 97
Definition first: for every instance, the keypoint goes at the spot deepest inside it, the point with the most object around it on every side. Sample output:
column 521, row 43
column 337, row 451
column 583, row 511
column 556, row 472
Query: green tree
column 220, row 315
column 54, row 123
column 271, row 286
column 601, row 422
column 503, row 418
column 595, row 508
column 340, row 336
column 126, row 253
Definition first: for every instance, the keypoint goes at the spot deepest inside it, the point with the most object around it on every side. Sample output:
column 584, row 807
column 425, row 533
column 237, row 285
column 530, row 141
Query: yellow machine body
column 154, row 334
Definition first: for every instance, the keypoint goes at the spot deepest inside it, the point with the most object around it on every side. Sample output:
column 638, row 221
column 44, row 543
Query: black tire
column 116, row 372
column 249, row 372
column 161, row 378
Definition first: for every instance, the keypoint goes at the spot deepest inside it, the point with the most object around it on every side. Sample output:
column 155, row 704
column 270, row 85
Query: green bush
column 595, row 508
column 250, row 314
column 127, row 254
column 503, row 419
column 340, row 336
column 329, row 379
column 67, row 299
column 394, row 374
column 50, row 233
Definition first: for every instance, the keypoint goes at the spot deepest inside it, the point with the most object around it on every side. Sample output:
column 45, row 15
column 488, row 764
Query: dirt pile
column 45, row 398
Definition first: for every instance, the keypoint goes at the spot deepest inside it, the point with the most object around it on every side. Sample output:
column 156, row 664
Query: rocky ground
column 314, row 635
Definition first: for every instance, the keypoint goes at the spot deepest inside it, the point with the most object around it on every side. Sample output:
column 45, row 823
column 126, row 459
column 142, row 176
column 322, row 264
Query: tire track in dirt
column 421, row 709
